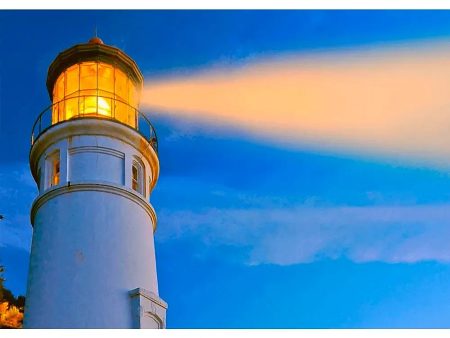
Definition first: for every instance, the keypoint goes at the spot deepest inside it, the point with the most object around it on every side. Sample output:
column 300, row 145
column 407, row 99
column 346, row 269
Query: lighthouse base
column 148, row 310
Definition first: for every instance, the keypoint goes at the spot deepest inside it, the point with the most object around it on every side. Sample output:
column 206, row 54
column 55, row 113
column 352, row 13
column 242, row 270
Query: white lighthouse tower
column 94, row 159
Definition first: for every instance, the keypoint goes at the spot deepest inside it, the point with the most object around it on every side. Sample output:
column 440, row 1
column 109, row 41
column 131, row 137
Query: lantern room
column 94, row 80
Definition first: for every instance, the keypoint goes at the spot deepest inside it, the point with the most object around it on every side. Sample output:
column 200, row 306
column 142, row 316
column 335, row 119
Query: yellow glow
column 95, row 89
column 71, row 108
column 55, row 172
column 72, row 80
column 94, row 105
column 390, row 101
column 103, row 107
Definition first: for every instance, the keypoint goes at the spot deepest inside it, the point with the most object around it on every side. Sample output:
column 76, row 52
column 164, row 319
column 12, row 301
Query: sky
column 304, row 164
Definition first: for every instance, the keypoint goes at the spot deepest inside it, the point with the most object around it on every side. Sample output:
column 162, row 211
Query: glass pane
column 104, row 93
column 88, row 75
column 95, row 105
column 121, row 89
column 104, row 106
column 55, row 111
column 131, row 117
column 134, row 178
column 72, row 80
column 55, row 174
column 71, row 108
column 61, row 111
column 106, row 77
column 120, row 111
column 58, row 91
column 88, row 102
column 108, row 98
column 132, row 95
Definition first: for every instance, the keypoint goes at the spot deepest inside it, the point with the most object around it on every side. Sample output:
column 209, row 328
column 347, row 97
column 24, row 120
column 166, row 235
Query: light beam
column 389, row 101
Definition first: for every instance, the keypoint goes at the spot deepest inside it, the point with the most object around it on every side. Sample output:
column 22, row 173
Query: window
column 55, row 172
column 137, row 176
column 53, row 169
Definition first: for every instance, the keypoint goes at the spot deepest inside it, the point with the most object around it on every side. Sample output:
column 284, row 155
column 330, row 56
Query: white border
column 207, row 333
column 229, row 4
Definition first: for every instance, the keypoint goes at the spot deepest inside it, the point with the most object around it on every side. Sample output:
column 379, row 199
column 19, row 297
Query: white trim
column 230, row 4
column 227, row 333
column 96, row 149
column 85, row 186
column 94, row 127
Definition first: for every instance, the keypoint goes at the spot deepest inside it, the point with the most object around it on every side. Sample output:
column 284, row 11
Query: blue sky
column 260, row 235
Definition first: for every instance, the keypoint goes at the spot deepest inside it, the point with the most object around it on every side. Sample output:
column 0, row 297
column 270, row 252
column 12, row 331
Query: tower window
column 137, row 176
column 53, row 169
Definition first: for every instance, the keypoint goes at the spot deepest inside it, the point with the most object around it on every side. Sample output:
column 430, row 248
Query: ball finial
column 96, row 40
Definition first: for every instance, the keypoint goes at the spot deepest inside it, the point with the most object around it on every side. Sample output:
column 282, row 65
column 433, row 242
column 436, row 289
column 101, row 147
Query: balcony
column 98, row 107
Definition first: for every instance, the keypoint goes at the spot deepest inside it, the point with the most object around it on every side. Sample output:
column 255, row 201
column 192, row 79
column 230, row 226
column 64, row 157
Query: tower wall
column 93, row 243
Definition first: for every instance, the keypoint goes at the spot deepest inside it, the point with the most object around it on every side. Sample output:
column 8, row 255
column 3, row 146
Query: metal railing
column 55, row 114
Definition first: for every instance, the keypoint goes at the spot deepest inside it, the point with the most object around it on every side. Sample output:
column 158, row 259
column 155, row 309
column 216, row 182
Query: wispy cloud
column 386, row 101
column 302, row 234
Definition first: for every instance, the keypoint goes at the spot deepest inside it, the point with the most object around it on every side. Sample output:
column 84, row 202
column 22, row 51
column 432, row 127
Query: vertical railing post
column 113, row 108
column 136, row 119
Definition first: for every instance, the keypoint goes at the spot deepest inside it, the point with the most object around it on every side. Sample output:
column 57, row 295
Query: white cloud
column 278, row 235
column 303, row 234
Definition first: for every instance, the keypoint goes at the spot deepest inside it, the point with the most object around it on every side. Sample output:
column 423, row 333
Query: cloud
column 389, row 102
column 284, row 236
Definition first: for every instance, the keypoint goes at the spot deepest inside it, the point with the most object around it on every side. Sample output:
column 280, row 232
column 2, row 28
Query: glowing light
column 95, row 89
column 390, row 102
column 95, row 105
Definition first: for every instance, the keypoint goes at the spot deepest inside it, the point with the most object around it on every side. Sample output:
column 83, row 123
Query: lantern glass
column 95, row 89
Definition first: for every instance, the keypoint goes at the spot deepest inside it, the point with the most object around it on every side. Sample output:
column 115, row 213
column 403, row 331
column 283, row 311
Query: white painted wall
column 93, row 235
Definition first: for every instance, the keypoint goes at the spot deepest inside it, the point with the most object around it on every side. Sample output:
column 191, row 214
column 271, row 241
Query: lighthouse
column 94, row 158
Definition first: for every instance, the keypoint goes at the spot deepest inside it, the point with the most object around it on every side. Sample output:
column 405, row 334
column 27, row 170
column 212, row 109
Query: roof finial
column 96, row 39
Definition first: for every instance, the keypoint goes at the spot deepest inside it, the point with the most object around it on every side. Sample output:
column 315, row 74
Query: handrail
column 142, row 125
